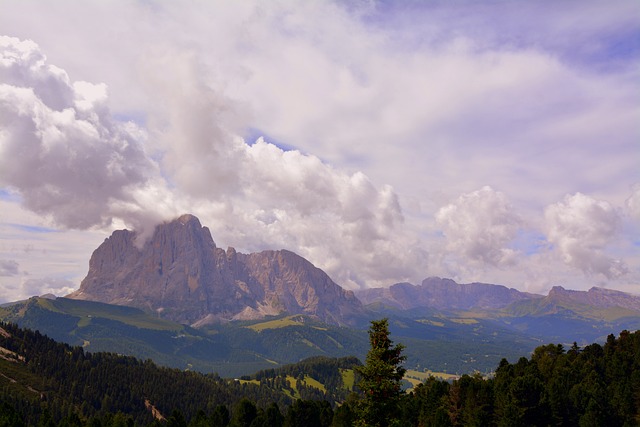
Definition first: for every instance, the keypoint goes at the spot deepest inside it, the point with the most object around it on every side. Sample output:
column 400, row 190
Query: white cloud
column 580, row 228
column 40, row 251
column 430, row 99
column 342, row 222
column 59, row 146
column 93, row 169
column 480, row 225
column 47, row 285
column 259, row 196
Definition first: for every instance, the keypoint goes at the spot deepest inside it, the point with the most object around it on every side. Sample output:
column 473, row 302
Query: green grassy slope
column 454, row 343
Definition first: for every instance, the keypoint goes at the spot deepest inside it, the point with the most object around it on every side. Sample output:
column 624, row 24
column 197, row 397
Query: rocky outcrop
column 181, row 274
column 444, row 294
column 595, row 297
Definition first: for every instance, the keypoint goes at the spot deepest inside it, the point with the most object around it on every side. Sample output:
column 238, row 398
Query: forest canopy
column 46, row 383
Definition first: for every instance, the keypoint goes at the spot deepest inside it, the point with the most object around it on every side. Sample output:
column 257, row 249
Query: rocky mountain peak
column 557, row 290
column 181, row 274
column 443, row 294
column 596, row 297
column 188, row 218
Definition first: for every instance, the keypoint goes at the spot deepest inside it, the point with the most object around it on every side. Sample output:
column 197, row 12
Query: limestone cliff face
column 288, row 282
column 444, row 294
column 181, row 274
column 596, row 297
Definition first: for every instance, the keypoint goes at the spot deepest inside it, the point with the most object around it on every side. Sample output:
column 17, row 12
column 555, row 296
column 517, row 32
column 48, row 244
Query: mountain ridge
column 444, row 294
column 182, row 275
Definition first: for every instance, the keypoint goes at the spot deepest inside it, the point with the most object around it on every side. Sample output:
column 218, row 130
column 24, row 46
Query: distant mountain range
column 446, row 295
column 182, row 301
column 562, row 316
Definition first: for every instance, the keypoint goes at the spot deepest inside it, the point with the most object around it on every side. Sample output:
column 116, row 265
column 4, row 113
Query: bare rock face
column 290, row 283
column 182, row 275
column 444, row 294
column 596, row 297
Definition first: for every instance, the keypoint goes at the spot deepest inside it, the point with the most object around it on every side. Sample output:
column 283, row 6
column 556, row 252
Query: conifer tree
column 244, row 413
column 380, row 379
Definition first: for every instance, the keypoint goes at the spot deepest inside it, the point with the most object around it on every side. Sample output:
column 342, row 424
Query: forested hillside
column 46, row 383
column 300, row 380
column 43, row 378
column 593, row 386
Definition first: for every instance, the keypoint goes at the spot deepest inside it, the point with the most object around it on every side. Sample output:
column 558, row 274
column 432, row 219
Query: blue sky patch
column 529, row 242
column 9, row 196
column 252, row 134
column 33, row 228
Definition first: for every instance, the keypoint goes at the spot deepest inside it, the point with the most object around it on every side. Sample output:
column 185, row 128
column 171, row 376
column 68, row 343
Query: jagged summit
column 186, row 218
column 181, row 274
column 597, row 297
column 443, row 294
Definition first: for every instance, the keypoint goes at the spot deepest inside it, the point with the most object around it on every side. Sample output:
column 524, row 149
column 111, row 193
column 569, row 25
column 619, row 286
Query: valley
column 184, row 303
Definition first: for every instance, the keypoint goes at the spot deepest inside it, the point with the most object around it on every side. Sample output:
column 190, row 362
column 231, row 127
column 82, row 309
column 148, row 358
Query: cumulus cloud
column 480, row 225
column 193, row 125
column 47, row 285
column 580, row 228
column 256, row 195
column 345, row 223
column 59, row 146
column 9, row 268
column 324, row 79
column 93, row 169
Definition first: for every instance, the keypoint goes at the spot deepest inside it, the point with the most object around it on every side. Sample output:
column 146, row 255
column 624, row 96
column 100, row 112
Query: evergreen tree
column 273, row 416
column 176, row 419
column 380, row 379
column 220, row 416
column 345, row 415
column 244, row 413
column 9, row 416
column 200, row 420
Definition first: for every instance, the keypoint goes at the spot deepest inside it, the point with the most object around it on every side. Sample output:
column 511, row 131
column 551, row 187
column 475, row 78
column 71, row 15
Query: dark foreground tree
column 380, row 379
column 220, row 416
column 244, row 413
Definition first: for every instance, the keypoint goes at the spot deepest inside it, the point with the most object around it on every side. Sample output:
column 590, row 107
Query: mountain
column 238, row 348
column 596, row 303
column 443, row 294
column 596, row 297
column 230, row 349
column 183, row 302
column 180, row 274
column 562, row 316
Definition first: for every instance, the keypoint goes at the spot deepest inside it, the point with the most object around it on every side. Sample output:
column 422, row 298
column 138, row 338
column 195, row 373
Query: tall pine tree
column 380, row 379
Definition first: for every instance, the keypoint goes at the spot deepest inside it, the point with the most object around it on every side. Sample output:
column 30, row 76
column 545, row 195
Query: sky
column 385, row 141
